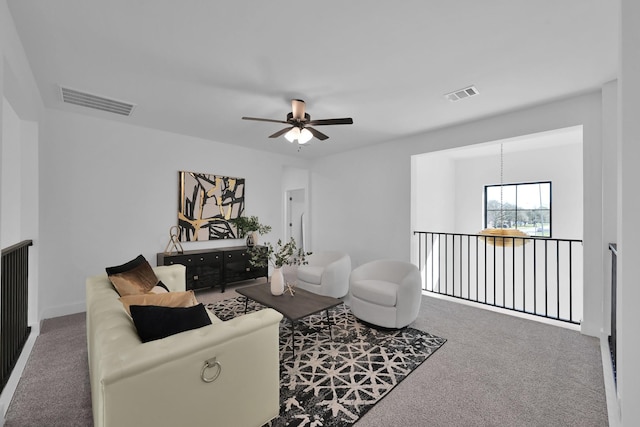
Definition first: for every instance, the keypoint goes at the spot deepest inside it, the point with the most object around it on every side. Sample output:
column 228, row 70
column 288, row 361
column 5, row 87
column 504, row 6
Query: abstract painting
column 207, row 203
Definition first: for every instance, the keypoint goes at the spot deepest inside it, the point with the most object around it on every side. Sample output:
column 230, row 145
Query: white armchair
column 327, row 273
column 386, row 293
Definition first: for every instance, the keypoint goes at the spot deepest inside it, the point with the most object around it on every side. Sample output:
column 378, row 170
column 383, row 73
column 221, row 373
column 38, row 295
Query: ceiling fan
column 300, row 123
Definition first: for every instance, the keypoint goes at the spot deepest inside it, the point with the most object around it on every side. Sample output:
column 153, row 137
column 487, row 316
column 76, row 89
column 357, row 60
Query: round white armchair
column 385, row 293
column 327, row 273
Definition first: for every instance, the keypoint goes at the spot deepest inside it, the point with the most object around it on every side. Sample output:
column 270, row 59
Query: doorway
column 296, row 216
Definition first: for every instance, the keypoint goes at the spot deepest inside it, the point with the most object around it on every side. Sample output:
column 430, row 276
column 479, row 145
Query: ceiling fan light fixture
column 305, row 136
column 300, row 135
column 293, row 134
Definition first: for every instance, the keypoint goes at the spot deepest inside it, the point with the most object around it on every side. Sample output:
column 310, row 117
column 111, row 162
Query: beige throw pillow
column 167, row 299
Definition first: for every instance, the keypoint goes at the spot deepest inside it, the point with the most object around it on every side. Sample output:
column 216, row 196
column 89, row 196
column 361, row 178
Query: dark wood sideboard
column 208, row 268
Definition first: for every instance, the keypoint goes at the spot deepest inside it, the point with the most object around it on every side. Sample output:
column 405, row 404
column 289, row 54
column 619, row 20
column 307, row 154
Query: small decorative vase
column 277, row 282
column 251, row 239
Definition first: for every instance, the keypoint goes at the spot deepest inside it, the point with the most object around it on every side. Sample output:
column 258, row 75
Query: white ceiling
column 196, row 67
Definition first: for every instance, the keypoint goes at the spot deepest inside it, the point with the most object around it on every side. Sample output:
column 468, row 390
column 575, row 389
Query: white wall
column 19, row 208
column 20, row 112
column 628, row 292
column 109, row 191
column 361, row 199
column 360, row 203
column 11, row 223
column 609, row 190
column 562, row 165
column 434, row 193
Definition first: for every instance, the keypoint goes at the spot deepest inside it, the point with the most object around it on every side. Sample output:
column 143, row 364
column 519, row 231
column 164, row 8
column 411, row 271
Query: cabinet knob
column 201, row 259
column 189, row 259
column 195, row 277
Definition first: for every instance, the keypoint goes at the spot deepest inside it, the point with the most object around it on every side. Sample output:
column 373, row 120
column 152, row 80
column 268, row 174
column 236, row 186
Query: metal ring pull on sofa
column 211, row 363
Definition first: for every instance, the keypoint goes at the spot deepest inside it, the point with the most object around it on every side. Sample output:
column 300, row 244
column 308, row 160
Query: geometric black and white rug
column 333, row 382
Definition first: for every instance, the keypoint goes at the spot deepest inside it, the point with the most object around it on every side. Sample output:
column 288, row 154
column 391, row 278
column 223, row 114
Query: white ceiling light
column 293, row 134
column 302, row 136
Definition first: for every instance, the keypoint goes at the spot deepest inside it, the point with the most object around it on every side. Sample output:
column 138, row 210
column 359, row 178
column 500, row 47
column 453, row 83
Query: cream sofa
column 159, row 383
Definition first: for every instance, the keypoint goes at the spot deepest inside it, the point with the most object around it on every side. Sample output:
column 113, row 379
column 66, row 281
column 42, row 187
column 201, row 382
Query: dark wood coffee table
column 294, row 308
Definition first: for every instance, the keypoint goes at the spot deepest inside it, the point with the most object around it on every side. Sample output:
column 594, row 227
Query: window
column 526, row 207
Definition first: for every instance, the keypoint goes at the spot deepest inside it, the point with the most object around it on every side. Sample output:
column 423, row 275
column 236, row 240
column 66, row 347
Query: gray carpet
column 495, row 370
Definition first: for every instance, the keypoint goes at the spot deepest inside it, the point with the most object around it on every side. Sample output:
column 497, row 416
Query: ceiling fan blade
column 297, row 108
column 322, row 122
column 265, row 120
column 321, row 136
column 281, row 132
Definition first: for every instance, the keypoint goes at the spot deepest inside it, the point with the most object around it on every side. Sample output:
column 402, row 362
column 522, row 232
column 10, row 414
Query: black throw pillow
column 154, row 322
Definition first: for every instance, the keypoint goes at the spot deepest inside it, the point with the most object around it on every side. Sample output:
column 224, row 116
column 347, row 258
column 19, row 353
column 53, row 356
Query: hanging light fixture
column 302, row 136
column 503, row 236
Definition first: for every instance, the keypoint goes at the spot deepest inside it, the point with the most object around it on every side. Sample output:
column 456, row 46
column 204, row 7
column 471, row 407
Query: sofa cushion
column 155, row 322
column 133, row 277
column 165, row 299
column 378, row 292
column 310, row 274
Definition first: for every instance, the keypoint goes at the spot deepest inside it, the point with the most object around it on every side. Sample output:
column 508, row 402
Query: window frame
column 516, row 184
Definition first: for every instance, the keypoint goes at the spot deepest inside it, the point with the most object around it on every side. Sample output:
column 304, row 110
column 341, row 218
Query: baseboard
column 12, row 384
column 513, row 313
column 611, row 392
column 62, row 310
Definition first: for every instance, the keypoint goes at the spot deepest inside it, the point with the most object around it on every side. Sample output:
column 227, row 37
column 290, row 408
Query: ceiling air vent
column 462, row 93
column 97, row 102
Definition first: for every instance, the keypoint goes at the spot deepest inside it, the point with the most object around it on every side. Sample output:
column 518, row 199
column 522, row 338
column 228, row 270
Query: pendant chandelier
column 503, row 236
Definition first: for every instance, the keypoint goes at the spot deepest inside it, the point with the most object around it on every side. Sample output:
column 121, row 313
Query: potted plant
column 278, row 257
column 250, row 226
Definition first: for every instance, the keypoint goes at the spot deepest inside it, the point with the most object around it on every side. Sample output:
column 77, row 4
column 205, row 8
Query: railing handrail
column 15, row 247
column 498, row 237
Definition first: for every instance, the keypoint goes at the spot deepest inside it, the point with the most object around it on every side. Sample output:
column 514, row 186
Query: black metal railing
column 533, row 275
column 14, row 305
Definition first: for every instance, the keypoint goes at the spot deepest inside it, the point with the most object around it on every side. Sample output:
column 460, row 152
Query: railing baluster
column 513, row 270
column 524, row 278
column 570, row 283
column 433, row 254
column 453, row 265
column 477, row 269
column 546, row 280
column 469, row 267
column 558, row 280
column 446, row 263
column 535, row 277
